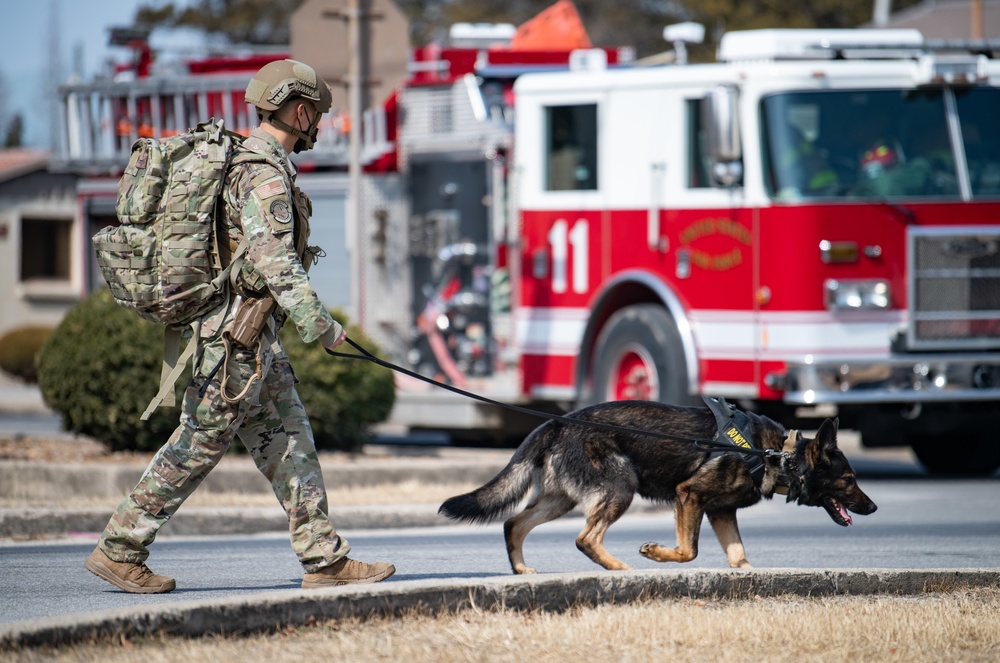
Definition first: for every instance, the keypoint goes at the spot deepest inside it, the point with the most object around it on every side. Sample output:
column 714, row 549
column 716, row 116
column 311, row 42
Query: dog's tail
column 504, row 491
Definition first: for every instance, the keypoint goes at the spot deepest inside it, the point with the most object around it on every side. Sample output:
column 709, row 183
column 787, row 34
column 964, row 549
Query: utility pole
column 881, row 12
column 361, row 47
column 353, row 14
column 976, row 28
column 354, row 95
column 53, row 78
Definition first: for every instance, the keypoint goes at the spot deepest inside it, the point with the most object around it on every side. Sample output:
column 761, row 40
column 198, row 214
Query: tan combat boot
column 348, row 572
column 127, row 576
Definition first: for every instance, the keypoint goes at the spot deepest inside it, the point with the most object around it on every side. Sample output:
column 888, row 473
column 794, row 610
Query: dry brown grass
column 957, row 626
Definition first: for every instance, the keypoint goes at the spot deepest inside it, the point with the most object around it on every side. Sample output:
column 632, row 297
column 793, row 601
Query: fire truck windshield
column 878, row 144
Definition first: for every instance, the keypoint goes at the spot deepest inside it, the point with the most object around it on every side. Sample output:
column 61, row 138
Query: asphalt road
column 921, row 524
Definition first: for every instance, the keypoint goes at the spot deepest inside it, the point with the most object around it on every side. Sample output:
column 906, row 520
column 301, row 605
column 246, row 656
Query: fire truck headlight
column 856, row 295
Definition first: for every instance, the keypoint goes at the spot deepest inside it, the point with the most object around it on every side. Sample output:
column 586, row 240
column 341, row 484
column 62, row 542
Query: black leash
column 707, row 445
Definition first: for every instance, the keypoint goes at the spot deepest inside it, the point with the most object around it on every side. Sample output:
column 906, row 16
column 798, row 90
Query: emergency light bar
column 480, row 35
column 785, row 44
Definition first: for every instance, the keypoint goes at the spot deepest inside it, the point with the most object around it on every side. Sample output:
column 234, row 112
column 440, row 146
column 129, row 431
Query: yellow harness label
column 733, row 434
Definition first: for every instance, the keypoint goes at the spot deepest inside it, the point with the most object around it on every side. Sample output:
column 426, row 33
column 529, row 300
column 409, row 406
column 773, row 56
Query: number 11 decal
column 562, row 242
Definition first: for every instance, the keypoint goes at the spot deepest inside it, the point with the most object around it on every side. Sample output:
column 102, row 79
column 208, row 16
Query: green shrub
column 101, row 366
column 19, row 352
column 342, row 396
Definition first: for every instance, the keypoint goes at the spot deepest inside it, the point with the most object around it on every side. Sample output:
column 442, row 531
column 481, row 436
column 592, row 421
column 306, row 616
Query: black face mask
column 307, row 137
column 303, row 144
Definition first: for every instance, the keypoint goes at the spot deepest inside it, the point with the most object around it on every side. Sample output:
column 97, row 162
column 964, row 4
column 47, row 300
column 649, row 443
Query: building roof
column 948, row 19
column 18, row 161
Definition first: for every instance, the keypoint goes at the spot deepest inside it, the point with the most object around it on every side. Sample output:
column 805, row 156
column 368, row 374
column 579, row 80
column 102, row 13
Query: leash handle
column 710, row 444
column 360, row 349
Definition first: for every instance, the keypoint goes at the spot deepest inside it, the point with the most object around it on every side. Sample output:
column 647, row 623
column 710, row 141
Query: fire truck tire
column 954, row 439
column 639, row 356
column 977, row 456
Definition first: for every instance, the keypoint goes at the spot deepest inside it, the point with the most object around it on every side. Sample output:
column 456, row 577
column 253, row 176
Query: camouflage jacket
column 263, row 204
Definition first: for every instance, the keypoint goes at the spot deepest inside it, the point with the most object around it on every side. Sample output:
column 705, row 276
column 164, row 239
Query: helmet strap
column 306, row 139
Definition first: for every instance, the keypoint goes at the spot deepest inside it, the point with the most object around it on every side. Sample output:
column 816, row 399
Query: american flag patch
column 271, row 189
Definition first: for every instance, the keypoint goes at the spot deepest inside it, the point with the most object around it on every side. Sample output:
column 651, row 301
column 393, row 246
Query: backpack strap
column 174, row 360
column 299, row 199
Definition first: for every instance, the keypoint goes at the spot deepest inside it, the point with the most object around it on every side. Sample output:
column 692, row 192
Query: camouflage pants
column 270, row 422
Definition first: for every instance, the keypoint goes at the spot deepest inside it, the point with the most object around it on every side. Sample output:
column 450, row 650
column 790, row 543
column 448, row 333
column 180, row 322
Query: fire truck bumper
column 923, row 378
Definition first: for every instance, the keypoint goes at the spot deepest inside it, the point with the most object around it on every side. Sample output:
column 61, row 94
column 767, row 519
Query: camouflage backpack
column 163, row 260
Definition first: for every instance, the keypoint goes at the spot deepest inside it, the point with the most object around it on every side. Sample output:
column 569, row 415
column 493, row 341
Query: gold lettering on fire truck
column 718, row 261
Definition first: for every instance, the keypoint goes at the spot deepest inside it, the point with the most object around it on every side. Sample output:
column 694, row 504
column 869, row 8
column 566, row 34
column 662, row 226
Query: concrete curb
column 274, row 610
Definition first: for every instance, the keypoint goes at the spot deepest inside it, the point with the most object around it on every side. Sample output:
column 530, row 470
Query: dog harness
column 734, row 429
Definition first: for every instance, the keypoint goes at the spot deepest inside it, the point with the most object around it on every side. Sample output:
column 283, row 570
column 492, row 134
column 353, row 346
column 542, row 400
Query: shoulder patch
column 280, row 210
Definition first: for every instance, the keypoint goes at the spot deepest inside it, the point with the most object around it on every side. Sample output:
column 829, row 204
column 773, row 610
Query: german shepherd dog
column 602, row 470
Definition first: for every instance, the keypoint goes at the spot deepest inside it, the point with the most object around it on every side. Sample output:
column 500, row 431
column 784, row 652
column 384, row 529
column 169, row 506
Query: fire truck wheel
column 976, row 456
column 639, row 356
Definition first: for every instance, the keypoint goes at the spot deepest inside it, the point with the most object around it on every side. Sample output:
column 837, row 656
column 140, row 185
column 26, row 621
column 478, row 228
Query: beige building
column 42, row 245
column 951, row 19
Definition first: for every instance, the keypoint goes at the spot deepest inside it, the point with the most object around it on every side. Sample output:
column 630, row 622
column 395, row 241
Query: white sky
column 25, row 41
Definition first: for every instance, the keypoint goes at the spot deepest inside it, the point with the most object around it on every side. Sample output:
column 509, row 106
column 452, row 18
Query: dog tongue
column 844, row 514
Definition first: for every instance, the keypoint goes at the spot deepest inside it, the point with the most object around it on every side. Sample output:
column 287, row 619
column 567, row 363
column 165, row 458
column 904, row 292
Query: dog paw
column 524, row 571
column 650, row 550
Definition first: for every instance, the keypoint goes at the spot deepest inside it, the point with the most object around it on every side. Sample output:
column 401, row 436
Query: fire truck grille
column 954, row 296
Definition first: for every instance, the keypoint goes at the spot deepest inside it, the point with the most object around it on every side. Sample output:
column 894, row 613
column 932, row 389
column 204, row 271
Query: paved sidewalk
column 17, row 398
column 34, row 481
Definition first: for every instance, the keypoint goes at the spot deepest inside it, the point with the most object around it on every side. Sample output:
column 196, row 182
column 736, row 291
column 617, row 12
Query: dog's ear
column 827, row 434
column 818, row 449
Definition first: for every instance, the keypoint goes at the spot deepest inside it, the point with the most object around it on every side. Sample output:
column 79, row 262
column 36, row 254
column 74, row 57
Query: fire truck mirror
column 720, row 122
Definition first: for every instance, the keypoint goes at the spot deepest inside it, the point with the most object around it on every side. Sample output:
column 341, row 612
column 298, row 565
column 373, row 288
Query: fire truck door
column 450, row 260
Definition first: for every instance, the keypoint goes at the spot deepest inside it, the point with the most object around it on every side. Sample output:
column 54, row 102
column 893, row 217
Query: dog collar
column 788, row 448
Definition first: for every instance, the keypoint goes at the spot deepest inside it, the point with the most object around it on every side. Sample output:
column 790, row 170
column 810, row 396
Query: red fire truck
column 810, row 225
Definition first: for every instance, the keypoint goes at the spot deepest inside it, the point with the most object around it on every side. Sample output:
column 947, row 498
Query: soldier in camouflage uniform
column 253, row 394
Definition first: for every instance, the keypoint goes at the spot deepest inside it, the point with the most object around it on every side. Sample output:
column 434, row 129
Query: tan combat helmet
column 282, row 80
